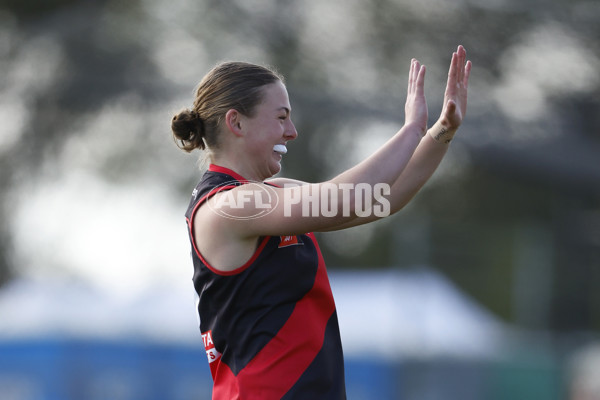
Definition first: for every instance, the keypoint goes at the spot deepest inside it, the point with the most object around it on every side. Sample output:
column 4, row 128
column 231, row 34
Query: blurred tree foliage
column 513, row 215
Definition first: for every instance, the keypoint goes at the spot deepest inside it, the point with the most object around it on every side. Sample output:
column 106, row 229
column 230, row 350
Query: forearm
column 431, row 149
column 424, row 162
column 387, row 163
column 384, row 166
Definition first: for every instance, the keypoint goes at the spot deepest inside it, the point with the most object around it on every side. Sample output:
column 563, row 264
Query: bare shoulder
column 218, row 242
column 285, row 182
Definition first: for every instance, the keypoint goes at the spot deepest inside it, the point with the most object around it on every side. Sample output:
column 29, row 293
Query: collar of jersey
column 227, row 171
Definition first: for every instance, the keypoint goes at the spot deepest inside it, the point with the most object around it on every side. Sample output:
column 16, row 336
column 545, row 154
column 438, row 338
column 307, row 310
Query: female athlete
column 267, row 315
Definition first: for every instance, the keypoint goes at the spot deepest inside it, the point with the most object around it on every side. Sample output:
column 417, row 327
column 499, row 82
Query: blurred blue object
column 407, row 334
column 62, row 369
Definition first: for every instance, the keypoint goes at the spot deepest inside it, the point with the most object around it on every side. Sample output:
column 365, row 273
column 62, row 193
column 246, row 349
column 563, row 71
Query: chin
column 275, row 168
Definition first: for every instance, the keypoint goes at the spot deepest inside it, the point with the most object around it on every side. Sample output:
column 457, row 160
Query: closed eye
column 286, row 113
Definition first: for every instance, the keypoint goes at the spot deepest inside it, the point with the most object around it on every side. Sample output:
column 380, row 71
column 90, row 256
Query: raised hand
column 455, row 97
column 415, row 110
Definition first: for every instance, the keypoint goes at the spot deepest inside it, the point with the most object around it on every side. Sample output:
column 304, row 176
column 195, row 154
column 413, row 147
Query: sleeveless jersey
column 269, row 327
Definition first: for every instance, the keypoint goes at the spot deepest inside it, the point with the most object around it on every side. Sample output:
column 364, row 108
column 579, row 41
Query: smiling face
column 269, row 127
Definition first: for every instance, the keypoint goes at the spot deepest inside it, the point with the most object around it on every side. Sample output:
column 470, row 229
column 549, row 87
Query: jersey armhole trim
column 190, row 223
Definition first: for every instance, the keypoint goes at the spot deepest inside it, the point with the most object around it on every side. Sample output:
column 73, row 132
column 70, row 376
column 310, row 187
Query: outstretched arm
column 387, row 163
column 290, row 215
column 434, row 145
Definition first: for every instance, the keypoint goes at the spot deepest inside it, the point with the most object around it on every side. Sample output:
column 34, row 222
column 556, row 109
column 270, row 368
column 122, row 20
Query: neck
column 238, row 165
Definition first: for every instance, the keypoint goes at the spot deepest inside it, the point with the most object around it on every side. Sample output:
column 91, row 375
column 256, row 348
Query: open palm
column 415, row 110
column 455, row 97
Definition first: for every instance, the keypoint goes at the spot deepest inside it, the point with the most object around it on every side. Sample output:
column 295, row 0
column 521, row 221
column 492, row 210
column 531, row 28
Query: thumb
column 450, row 107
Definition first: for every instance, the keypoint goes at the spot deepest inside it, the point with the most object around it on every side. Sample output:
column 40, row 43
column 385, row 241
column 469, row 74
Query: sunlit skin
column 249, row 140
column 405, row 163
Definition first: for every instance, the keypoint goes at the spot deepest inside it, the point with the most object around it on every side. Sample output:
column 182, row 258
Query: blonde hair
column 230, row 85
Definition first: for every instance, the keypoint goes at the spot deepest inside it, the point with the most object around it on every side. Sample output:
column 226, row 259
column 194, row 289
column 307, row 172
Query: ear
column 233, row 121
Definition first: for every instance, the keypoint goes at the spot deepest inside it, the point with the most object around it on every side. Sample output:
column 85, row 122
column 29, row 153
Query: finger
column 452, row 72
column 414, row 72
column 410, row 75
column 467, row 74
column 420, row 89
column 462, row 56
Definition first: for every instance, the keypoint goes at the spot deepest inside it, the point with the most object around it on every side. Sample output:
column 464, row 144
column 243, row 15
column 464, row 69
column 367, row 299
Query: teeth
column 280, row 148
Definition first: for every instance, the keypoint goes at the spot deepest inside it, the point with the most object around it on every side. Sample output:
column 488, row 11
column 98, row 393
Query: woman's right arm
column 434, row 145
column 295, row 211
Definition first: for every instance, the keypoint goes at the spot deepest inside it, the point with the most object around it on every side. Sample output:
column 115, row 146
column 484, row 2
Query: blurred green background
column 94, row 190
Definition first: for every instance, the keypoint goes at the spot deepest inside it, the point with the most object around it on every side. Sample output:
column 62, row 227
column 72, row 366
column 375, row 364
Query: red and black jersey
column 269, row 327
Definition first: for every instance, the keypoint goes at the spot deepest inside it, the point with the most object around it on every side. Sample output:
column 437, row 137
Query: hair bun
column 188, row 130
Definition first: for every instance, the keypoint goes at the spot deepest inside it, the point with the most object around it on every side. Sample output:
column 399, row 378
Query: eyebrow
column 287, row 110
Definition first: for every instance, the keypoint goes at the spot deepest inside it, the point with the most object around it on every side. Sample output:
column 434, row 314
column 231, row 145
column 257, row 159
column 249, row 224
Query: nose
column 290, row 132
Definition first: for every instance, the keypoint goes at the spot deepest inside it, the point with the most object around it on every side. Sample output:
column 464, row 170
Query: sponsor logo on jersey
column 289, row 241
column 209, row 346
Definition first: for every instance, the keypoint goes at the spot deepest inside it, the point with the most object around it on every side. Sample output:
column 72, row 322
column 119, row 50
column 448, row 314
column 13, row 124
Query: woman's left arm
column 434, row 145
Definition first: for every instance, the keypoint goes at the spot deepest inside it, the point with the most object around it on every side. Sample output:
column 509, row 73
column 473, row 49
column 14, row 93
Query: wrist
column 441, row 133
column 419, row 130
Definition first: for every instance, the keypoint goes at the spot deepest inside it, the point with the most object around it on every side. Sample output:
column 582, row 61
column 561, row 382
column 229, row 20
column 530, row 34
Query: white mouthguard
column 280, row 148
